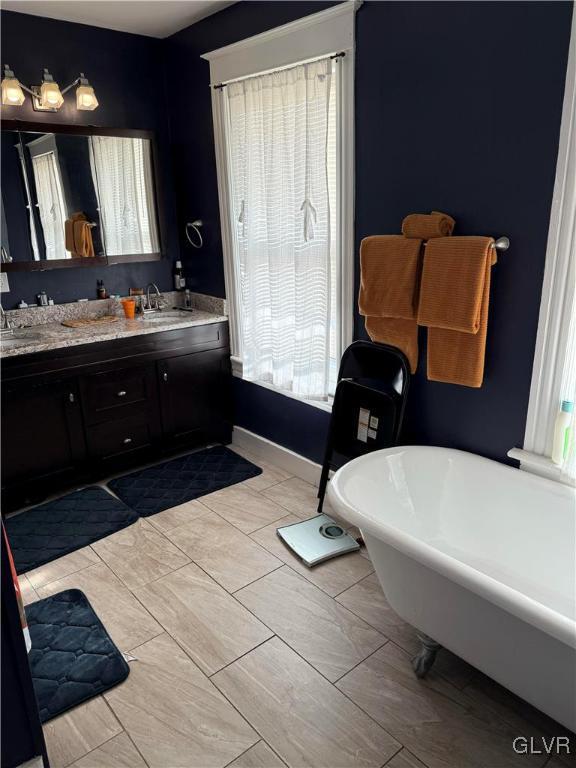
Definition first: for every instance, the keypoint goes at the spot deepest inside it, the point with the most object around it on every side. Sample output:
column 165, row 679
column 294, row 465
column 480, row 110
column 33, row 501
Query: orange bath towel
column 390, row 275
column 428, row 225
column 78, row 234
column 83, row 239
column 454, row 302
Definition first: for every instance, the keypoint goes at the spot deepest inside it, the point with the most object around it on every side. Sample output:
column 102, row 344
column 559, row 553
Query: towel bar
column 501, row 244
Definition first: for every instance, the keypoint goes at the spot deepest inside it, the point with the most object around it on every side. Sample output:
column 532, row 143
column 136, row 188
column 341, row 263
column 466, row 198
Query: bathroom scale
column 317, row 539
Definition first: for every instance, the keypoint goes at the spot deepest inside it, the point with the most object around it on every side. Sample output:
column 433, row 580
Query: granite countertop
column 54, row 335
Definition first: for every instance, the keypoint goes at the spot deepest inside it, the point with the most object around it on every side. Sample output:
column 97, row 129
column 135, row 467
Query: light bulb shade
column 12, row 93
column 50, row 95
column 86, row 98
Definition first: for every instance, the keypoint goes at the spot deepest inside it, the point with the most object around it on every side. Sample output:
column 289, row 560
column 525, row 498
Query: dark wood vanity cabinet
column 192, row 389
column 83, row 413
column 42, row 434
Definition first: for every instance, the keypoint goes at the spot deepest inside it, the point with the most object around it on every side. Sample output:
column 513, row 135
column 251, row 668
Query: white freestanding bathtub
column 478, row 556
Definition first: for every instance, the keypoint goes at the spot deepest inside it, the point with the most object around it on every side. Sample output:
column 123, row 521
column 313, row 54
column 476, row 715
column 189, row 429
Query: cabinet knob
column 127, row 440
column 122, row 393
column 165, row 376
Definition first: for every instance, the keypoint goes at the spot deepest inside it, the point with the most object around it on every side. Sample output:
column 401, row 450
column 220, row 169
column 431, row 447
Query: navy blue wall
column 127, row 74
column 458, row 108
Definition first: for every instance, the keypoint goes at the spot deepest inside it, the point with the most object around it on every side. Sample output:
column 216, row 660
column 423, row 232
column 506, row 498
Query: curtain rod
column 219, row 86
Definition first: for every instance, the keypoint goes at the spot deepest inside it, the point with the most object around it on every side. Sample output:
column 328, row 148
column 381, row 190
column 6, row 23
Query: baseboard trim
column 276, row 454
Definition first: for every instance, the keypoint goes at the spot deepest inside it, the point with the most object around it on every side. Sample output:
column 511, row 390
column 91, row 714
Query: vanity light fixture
column 85, row 96
column 12, row 93
column 47, row 97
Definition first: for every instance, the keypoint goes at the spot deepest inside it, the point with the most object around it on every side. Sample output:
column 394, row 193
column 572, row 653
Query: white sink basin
column 165, row 316
column 18, row 339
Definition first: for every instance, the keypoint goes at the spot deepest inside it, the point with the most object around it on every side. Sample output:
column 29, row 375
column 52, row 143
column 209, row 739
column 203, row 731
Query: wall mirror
column 77, row 196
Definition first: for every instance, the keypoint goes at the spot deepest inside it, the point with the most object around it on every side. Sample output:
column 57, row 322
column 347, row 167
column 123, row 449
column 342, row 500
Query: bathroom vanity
column 79, row 405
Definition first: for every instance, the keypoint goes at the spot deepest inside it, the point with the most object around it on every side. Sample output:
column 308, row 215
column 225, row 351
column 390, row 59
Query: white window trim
column 557, row 289
column 307, row 38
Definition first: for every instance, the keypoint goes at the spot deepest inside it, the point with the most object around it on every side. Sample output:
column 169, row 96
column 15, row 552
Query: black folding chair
column 368, row 405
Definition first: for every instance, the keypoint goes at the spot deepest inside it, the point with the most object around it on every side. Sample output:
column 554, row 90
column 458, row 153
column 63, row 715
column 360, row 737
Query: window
column 51, row 207
column 283, row 132
column 122, row 172
column 554, row 371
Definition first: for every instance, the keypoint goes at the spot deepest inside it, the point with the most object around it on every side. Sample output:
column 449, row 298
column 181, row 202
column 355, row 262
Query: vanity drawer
column 120, row 436
column 104, row 393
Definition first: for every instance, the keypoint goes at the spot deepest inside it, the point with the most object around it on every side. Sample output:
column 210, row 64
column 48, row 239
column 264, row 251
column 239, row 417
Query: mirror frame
column 97, row 261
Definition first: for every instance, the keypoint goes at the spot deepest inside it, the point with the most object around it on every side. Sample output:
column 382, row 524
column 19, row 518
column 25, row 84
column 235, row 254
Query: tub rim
column 526, row 608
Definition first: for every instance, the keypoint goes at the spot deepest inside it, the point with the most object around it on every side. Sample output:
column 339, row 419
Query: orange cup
column 129, row 306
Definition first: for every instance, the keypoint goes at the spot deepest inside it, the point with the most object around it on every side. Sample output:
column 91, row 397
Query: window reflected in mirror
column 122, row 170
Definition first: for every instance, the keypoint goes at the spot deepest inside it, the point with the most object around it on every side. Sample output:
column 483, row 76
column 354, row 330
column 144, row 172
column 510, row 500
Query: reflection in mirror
column 49, row 197
column 122, row 168
column 52, row 209
column 67, row 197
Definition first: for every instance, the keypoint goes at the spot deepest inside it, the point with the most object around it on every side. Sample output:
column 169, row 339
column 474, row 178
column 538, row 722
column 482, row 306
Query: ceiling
column 155, row 18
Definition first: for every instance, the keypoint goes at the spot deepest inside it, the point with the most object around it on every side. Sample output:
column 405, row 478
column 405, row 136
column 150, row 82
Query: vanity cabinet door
column 194, row 398
column 42, row 436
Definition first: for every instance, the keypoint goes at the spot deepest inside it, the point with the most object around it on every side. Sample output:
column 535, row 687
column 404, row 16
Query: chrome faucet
column 152, row 304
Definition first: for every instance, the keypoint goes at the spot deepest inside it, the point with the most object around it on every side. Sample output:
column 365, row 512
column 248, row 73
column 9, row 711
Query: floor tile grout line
column 168, row 541
column 137, row 749
column 275, row 634
column 106, row 741
column 433, row 690
column 228, row 664
column 396, row 754
column 131, row 651
column 394, row 738
column 457, row 690
column 191, row 560
column 334, row 682
column 373, row 625
column 90, row 751
column 260, row 741
column 249, row 534
column 242, row 753
column 208, row 678
column 288, row 565
column 122, row 724
column 72, row 573
column 250, row 583
column 356, row 582
column 309, row 583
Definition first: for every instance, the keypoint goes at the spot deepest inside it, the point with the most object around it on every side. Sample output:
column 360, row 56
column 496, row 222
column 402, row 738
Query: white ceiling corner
column 154, row 18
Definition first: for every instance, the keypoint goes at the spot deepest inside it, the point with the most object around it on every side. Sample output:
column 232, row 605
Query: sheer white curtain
column 282, row 154
column 50, row 205
column 568, row 387
column 122, row 172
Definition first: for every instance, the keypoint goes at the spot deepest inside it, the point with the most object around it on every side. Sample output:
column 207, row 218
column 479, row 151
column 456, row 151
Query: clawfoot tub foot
column 423, row 661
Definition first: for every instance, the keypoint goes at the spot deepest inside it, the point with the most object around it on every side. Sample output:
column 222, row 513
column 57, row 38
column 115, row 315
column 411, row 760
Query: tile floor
column 246, row 658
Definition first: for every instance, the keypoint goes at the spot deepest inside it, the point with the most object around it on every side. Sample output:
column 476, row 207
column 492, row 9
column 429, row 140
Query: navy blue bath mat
column 42, row 534
column 72, row 657
column 174, row 482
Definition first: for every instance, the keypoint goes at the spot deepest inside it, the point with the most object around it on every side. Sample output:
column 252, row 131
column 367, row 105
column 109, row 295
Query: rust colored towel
column 69, row 231
column 402, row 334
column 78, row 234
column 390, row 275
column 428, row 225
column 83, row 239
column 454, row 301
